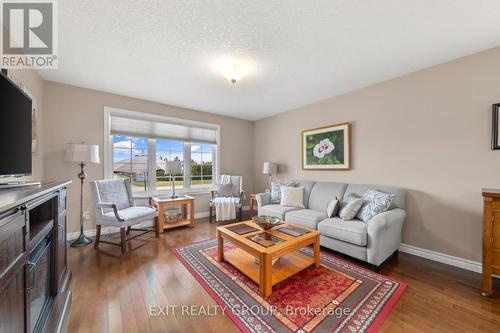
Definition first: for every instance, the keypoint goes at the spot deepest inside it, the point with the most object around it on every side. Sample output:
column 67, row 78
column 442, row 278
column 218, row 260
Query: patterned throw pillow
column 333, row 207
column 276, row 191
column 376, row 202
column 351, row 208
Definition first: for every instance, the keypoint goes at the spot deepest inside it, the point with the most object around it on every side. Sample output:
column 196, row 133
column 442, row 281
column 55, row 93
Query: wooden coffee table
column 264, row 273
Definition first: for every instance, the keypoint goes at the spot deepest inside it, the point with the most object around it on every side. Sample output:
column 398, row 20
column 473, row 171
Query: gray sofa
column 373, row 241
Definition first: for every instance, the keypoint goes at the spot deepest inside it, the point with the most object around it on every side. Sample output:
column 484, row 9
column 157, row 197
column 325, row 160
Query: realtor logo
column 29, row 37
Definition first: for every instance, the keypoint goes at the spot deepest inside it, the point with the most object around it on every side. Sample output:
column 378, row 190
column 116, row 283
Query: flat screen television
column 15, row 130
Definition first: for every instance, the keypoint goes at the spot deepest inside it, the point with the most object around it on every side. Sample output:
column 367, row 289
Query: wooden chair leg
column 123, row 239
column 97, row 235
column 210, row 213
column 128, row 230
column 157, row 228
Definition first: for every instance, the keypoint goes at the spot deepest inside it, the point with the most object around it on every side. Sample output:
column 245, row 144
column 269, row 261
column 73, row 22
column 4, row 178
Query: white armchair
column 115, row 207
column 237, row 193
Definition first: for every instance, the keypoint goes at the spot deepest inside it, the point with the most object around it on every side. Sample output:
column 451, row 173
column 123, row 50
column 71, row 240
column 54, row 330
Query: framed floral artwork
column 327, row 148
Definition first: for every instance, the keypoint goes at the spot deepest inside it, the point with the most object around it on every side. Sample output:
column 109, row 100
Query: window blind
column 162, row 129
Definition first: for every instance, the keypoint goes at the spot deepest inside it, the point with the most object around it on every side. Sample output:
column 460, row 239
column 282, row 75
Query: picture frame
column 495, row 125
column 327, row 148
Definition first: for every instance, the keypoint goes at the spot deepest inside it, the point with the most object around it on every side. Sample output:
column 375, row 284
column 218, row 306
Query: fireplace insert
column 39, row 292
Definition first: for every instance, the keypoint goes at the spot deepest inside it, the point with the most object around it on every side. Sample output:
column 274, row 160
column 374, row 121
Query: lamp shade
column 269, row 168
column 80, row 152
column 173, row 167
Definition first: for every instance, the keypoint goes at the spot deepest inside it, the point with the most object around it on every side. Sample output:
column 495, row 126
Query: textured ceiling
column 301, row 51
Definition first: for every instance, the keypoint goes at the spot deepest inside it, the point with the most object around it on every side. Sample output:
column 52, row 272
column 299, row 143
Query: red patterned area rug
column 337, row 297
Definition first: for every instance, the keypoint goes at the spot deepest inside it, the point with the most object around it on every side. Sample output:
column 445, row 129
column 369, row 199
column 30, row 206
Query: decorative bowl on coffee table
column 267, row 222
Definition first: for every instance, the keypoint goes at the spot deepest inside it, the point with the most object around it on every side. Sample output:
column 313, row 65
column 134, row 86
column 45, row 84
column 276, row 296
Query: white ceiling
column 302, row 51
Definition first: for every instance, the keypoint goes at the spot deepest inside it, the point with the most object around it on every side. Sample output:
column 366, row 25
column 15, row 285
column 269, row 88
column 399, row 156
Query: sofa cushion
column 305, row 217
column 399, row 193
column 307, row 185
column 276, row 210
column 352, row 250
column 323, row 192
column 353, row 231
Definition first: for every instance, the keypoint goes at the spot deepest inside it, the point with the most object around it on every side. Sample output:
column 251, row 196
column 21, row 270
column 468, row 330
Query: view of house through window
column 132, row 160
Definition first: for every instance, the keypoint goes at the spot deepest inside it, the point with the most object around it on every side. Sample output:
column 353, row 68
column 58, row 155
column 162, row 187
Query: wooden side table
column 183, row 201
column 491, row 238
column 251, row 202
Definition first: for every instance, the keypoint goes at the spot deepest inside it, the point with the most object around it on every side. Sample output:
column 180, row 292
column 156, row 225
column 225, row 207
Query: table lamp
column 269, row 168
column 173, row 168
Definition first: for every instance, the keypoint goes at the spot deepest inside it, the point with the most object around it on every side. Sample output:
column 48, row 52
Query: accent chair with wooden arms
column 115, row 207
column 237, row 193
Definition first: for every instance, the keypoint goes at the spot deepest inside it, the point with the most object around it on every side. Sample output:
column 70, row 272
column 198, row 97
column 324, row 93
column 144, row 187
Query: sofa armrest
column 392, row 218
column 263, row 199
column 384, row 235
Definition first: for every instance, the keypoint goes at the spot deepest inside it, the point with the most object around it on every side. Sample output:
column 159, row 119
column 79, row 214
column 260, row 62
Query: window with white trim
column 140, row 144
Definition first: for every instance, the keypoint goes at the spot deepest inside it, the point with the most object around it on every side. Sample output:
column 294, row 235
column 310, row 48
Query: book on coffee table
column 242, row 229
column 293, row 231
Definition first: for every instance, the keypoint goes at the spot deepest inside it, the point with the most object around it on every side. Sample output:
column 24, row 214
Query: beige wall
column 428, row 132
column 31, row 81
column 74, row 114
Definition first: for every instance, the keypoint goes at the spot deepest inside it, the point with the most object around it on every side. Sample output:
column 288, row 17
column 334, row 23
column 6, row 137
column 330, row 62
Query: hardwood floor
column 113, row 292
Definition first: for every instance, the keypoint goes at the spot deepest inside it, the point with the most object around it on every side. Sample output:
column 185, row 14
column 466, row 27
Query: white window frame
column 108, row 151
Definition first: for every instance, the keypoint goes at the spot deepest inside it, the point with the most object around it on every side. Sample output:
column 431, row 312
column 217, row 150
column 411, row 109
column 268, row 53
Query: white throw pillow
column 292, row 196
column 276, row 191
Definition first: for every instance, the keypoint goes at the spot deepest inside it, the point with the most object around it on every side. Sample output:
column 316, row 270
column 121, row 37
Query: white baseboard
column 470, row 265
column 112, row 230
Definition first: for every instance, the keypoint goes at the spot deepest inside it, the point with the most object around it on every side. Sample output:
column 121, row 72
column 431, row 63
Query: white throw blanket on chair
column 225, row 208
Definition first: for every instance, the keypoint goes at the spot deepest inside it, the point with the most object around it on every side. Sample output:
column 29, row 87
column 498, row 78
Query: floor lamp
column 81, row 153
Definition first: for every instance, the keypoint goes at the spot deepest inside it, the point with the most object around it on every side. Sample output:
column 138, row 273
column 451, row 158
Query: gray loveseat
column 373, row 241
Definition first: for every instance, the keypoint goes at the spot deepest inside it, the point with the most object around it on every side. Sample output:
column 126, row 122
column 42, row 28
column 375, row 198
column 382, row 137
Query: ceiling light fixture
column 233, row 70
